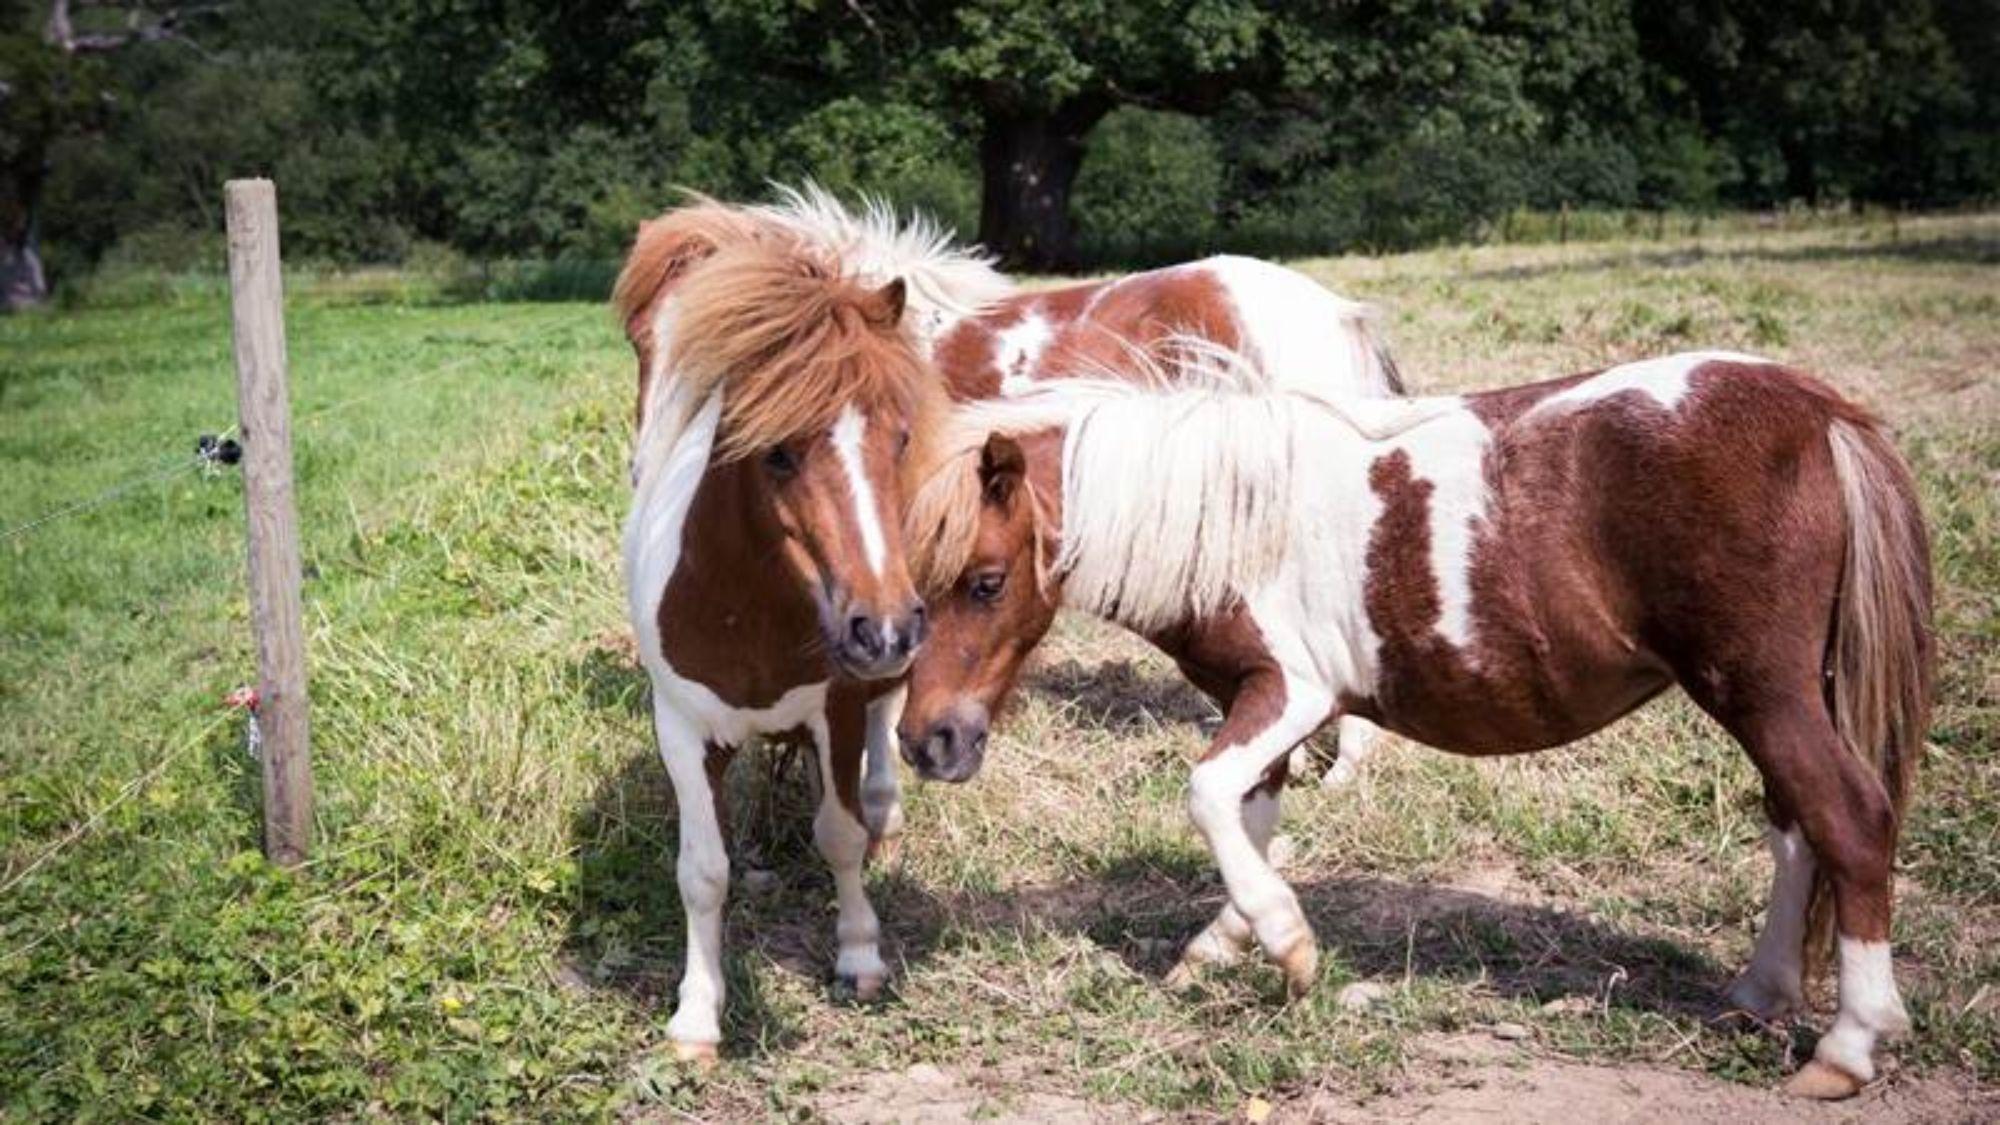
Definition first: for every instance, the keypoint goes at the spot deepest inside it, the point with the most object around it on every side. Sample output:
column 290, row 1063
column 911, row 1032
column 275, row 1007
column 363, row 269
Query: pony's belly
column 1486, row 713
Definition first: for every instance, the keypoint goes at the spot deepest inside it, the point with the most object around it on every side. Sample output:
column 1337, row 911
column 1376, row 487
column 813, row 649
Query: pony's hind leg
column 702, row 871
column 1359, row 739
column 1226, row 938
column 842, row 838
column 1773, row 986
column 1844, row 812
column 1269, row 716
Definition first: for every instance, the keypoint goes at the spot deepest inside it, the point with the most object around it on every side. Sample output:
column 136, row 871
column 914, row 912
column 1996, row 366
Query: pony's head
column 982, row 530
column 818, row 391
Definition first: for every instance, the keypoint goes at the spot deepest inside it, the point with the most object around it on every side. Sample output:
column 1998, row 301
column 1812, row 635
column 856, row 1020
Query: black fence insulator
column 220, row 450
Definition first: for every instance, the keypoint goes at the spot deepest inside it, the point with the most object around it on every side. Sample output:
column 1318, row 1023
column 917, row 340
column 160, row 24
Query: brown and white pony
column 764, row 555
column 1491, row 574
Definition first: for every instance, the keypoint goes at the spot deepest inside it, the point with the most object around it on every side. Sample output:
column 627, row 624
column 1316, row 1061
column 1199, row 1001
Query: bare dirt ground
column 1471, row 1078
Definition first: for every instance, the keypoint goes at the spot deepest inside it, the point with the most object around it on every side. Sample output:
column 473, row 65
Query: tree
column 55, row 81
column 1040, row 76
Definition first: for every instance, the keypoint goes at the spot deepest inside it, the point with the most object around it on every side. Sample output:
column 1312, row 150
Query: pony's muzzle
column 876, row 647
column 952, row 749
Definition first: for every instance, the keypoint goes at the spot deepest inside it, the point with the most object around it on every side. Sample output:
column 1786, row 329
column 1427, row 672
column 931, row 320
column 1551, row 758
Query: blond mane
column 1184, row 481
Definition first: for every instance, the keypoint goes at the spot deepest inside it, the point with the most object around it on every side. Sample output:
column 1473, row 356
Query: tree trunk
column 22, row 283
column 1029, row 162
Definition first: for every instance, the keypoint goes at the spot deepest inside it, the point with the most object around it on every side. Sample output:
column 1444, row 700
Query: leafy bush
column 899, row 152
column 1150, row 187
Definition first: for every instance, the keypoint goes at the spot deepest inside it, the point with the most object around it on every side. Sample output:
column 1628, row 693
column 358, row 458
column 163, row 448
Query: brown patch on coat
column 1093, row 328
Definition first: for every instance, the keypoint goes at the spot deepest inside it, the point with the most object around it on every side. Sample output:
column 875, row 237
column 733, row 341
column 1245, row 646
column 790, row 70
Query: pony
column 779, row 396
column 1496, row 573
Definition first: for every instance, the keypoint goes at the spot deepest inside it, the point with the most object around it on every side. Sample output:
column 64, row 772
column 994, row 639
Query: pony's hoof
column 1339, row 775
column 884, row 850
column 1183, row 976
column 701, row 1056
column 1301, row 966
column 864, row 987
column 1822, row 1082
column 1766, row 1005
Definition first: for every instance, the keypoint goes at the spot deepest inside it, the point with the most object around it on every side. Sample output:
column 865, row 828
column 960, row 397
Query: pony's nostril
column 864, row 637
column 913, row 631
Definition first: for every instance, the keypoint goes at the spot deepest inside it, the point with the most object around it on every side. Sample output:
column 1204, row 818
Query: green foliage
column 513, row 130
column 902, row 153
column 1152, row 186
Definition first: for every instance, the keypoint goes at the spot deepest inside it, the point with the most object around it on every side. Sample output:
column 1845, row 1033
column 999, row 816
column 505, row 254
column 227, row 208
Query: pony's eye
column 902, row 443
column 986, row 588
column 780, row 462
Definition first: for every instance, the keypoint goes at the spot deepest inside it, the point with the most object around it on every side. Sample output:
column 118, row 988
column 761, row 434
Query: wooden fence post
column 256, row 294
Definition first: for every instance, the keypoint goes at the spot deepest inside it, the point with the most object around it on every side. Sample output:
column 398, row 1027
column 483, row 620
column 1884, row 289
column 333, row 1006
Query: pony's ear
column 884, row 307
column 1000, row 467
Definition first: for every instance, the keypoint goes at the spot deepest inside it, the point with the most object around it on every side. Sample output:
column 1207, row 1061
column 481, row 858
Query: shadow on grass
column 1145, row 907
column 627, row 931
column 1118, row 696
column 1965, row 249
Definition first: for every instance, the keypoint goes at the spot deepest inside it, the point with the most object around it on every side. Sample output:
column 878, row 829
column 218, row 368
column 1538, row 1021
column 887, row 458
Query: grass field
column 489, row 926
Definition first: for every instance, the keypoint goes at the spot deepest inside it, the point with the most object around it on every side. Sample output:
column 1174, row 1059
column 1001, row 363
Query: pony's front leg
column 842, row 837
column 881, row 795
column 1226, row 938
column 1269, row 716
column 703, row 873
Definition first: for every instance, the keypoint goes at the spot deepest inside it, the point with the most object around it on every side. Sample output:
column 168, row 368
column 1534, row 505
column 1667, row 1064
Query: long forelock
column 781, row 334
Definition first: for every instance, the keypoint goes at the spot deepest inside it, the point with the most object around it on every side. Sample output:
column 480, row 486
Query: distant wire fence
column 206, row 458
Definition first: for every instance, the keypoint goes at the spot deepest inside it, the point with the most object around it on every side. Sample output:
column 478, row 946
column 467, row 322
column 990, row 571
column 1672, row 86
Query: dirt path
column 1452, row 1080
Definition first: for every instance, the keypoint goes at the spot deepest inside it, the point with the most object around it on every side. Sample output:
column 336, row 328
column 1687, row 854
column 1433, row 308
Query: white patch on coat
column 1450, row 454
column 1664, row 379
column 849, row 431
column 1018, row 352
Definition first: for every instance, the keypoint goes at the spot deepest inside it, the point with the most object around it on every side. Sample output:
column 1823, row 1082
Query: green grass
column 489, row 925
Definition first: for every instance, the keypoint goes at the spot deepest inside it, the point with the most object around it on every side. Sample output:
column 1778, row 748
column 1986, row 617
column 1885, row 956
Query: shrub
column 901, row 153
column 1149, row 189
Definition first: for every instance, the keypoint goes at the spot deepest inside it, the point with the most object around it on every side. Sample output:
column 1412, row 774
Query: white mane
column 1178, row 500
column 946, row 281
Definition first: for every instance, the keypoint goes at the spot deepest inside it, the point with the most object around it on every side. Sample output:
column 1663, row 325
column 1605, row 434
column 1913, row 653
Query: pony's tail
column 1881, row 651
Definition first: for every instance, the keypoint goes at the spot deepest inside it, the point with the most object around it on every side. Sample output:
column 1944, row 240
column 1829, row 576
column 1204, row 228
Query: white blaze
column 848, row 431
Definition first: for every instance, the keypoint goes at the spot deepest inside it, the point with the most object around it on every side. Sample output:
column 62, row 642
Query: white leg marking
column 1216, row 802
column 881, row 797
column 703, row 873
column 1773, row 985
column 1359, row 739
column 848, row 431
column 843, row 843
column 1869, row 1007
